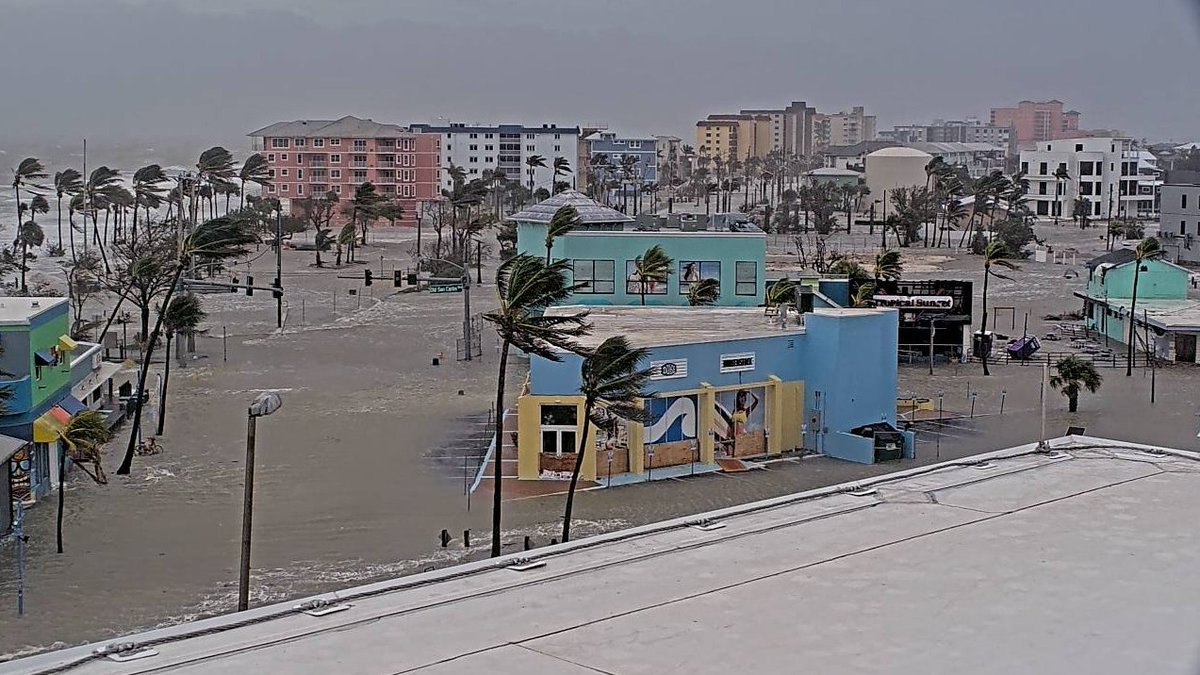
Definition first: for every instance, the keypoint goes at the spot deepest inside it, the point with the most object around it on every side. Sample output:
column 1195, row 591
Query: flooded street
column 366, row 462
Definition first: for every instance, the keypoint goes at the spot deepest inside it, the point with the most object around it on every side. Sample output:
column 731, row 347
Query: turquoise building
column 1165, row 316
column 602, row 251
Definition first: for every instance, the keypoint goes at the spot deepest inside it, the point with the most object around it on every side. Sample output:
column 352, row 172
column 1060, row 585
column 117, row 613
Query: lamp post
column 265, row 404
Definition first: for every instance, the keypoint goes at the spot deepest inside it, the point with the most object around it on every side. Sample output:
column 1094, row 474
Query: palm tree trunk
column 71, row 236
column 24, row 257
column 242, row 196
column 162, row 395
column 133, row 226
column 497, row 458
column 62, row 487
column 1073, row 403
column 1133, row 317
column 60, row 222
column 127, row 461
column 587, row 420
column 983, row 323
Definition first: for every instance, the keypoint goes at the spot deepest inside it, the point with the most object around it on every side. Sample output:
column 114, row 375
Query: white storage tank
column 890, row 168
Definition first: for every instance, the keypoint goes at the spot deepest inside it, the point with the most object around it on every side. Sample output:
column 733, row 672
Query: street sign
column 446, row 288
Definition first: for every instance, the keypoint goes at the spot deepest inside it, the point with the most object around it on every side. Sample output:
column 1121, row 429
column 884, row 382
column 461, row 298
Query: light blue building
column 728, row 383
column 604, row 248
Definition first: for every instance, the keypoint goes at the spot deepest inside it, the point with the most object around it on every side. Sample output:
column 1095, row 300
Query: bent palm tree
column 888, row 265
column 217, row 239
column 254, row 170
column 863, row 295
column 780, row 293
column 704, row 292
column 652, row 267
column 994, row 255
column 27, row 173
column 612, row 386
column 67, row 183
column 565, row 219
column 526, row 286
column 182, row 317
column 1147, row 249
column 562, row 167
column 29, row 235
column 149, row 189
column 533, row 163
column 1070, row 375
column 322, row 242
column 84, row 436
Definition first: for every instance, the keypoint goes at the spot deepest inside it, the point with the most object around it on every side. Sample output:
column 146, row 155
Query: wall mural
column 671, row 419
column 738, row 424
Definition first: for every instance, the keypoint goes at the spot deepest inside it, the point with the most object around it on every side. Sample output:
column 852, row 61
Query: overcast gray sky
column 157, row 68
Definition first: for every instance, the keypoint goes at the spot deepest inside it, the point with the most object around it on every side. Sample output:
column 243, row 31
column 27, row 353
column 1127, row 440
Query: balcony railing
column 358, row 165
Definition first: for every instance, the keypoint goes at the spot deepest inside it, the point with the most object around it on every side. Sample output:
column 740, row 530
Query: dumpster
column 1023, row 348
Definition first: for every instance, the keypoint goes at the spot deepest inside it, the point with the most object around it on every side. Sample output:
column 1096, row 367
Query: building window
column 299, row 173
column 692, row 271
column 746, row 277
column 634, row 286
column 359, row 176
column 270, row 173
column 299, row 142
column 1025, row 167
column 283, row 188
column 335, row 173
column 300, row 189
column 283, row 172
column 1042, row 187
column 1085, row 168
column 487, row 148
column 1183, row 201
column 529, row 136
column 271, row 157
column 530, row 148
column 335, row 141
column 337, row 189
column 599, row 275
column 270, row 187
column 1044, row 169
column 472, row 160
column 635, row 145
column 1182, row 227
column 559, row 426
column 318, row 142
column 474, row 136
column 279, row 142
column 558, row 148
column 335, row 159
column 283, row 157
column 473, row 147
column 360, row 145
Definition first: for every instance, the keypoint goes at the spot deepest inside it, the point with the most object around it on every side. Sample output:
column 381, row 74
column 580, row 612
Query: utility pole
column 466, row 277
column 279, row 269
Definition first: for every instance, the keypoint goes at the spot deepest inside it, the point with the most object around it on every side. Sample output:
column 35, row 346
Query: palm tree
column 526, row 286
column 704, row 292
column 346, row 237
column 323, row 241
column 67, row 182
column 1061, row 175
column 216, row 239
column 533, row 163
column 780, row 293
column 1147, row 249
column 362, row 207
column 215, row 168
column 561, row 168
column 149, row 189
column 1072, row 373
column 565, row 219
column 27, row 173
column 612, row 383
column 995, row 254
column 29, row 235
column 888, row 266
column 254, row 170
column 863, row 295
column 84, row 436
column 183, row 317
column 653, row 266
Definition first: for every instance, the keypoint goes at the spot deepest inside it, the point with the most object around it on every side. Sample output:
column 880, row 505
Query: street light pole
column 264, row 405
column 466, row 277
column 279, row 269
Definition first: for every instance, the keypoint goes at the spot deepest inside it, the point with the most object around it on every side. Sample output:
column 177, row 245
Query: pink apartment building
column 308, row 158
column 1033, row 121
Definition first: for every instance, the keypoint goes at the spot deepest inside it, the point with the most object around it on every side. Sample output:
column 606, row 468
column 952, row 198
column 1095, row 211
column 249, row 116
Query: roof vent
column 35, row 303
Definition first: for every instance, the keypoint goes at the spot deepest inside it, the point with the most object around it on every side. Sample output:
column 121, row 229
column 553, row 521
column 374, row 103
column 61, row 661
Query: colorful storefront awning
column 72, row 405
column 66, row 344
column 49, row 427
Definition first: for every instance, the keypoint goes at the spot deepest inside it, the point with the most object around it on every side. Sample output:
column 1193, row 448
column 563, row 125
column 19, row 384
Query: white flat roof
column 661, row 326
column 1080, row 560
column 19, row 310
column 1176, row 315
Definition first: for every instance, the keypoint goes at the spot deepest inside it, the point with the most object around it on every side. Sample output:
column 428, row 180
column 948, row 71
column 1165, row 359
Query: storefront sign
column 737, row 363
column 668, row 370
column 915, row 301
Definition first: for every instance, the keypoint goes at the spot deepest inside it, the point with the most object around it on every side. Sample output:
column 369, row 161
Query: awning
column 66, row 344
column 48, row 428
column 9, row 446
column 43, row 358
column 72, row 405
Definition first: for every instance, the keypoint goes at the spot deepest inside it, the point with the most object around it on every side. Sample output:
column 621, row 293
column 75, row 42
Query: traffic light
column 249, row 285
column 367, row 277
column 397, row 278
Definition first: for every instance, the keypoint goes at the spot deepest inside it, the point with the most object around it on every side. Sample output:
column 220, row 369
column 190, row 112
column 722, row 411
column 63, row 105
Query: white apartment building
column 506, row 147
column 1179, row 227
column 1104, row 171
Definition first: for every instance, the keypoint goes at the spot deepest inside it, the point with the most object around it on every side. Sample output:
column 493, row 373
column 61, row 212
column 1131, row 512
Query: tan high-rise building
column 844, row 128
column 1033, row 121
column 791, row 128
column 735, row 136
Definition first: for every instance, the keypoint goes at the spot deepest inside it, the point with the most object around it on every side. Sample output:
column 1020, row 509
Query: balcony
column 358, row 165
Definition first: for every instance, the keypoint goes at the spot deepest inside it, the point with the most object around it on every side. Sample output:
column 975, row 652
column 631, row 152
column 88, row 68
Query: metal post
column 279, row 269
column 610, row 459
column 224, row 345
column 932, row 331
column 247, row 515
column 19, row 533
column 1045, row 377
column 973, row 405
column 1003, row 394
column 466, row 277
column 479, row 262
